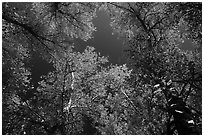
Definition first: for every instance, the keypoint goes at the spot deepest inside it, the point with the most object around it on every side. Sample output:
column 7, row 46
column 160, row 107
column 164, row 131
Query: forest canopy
column 158, row 91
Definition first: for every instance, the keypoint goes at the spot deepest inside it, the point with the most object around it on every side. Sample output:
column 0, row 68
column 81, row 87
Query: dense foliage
column 157, row 91
column 163, row 73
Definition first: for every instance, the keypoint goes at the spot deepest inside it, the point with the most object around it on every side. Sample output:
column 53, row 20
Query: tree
column 39, row 27
column 97, row 92
column 152, row 34
column 26, row 29
column 79, row 88
column 158, row 92
column 16, row 86
column 45, row 25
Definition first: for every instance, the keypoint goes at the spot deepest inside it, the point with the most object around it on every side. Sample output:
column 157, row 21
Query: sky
column 103, row 40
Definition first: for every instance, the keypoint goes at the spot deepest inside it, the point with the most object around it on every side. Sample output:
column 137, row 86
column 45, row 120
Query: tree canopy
column 157, row 91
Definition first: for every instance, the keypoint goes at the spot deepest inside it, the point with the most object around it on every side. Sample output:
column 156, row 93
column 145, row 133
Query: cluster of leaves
column 192, row 15
column 45, row 27
column 16, row 86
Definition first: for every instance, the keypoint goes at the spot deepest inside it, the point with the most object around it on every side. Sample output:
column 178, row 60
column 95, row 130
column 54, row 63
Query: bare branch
column 121, row 7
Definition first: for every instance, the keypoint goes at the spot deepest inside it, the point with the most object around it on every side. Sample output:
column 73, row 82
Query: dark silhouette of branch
column 30, row 31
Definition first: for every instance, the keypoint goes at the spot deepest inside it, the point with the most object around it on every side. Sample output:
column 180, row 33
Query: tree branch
column 130, row 101
column 121, row 7
column 25, row 27
column 183, row 89
column 30, row 30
